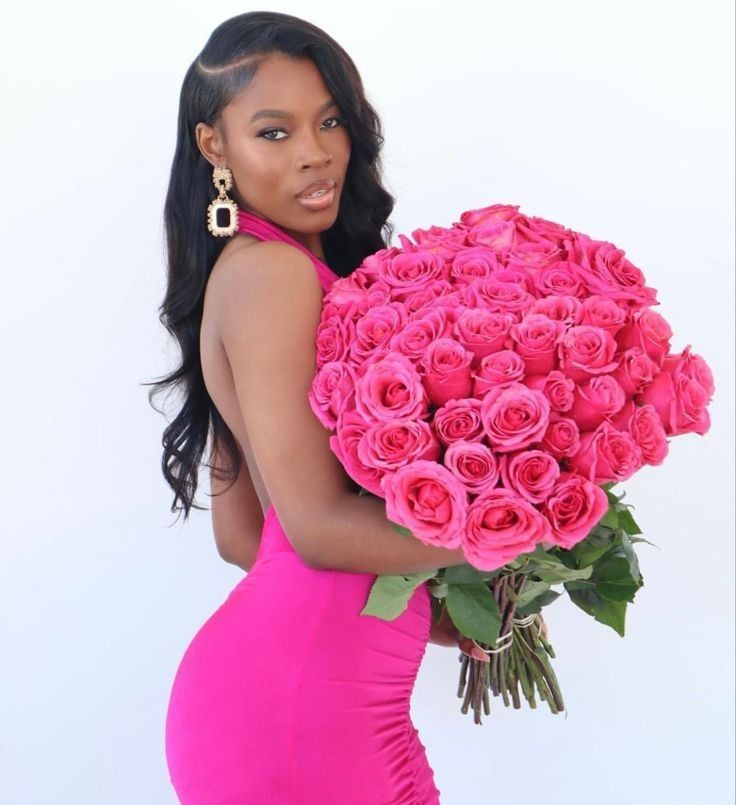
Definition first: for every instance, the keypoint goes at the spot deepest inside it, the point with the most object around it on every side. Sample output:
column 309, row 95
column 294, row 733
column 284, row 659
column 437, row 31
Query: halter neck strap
column 262, row 228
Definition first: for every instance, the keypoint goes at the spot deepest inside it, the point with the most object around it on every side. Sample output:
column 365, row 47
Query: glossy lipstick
column 324, row 198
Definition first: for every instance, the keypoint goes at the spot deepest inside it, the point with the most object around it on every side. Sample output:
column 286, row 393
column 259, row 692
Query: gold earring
column 223, row 205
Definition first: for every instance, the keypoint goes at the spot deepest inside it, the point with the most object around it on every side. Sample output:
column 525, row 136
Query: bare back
column 216, row 369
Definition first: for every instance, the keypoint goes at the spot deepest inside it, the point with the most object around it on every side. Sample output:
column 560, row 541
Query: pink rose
column 557, row 388
column 573, row 509
column 458, row 420
column 331, row 392
column 562, row 437
column 344, row 299
column 599, row 398
column 537, row 228
column 536, row 254
column 635, row 370
column 587, row 350
column 496, row 235
column 694, row 366
column 530, row 473
column 565, row 309
column 518, row 275
column 372, row 266
column 514, row 416
column 410, row 270
column 501, row 526
column 606, row 454
column 473, row 464
column 496, row 295
column 608, row 272
column 500, row 368
column 377, row 295
column 604, row 312
column 521, row 277
column 560, row 278
column 429, row 500
column 448, row 238
column 376, row 328
column 680, row 400
column 473, row 262
column 420, row 331
column 390, row 445
column 536, row 338
column 645, row 425
column 482, row 331
column 491, row 214
column 649, row 331
column 445, row 370
column 358, row 280
column 391, row 388
column 344, row 444
column 429, row 295
column 332, row 340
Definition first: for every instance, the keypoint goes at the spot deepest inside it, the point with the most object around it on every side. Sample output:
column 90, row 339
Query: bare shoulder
column 264, row 263
column 269, row 280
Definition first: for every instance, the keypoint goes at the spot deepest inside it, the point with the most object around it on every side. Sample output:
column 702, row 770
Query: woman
column 286, row 694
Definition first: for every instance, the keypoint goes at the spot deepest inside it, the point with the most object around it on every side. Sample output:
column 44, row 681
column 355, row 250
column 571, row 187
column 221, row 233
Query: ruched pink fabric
column 287, row 695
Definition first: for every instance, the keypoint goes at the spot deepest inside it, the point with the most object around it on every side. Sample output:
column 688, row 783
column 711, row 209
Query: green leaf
column 631, row 558
column 474, row 611
column 641, row 539
column 610, row 613
column 555, row 567
column 579, row 585
column 613, row 499
column 529, row 591
column 467, row 574
column 595, row 545
column 610, row 519
column 402, row 530
column 613, row 579
column 538, row 603
column 627, row 522
column 555, row 575
column 389, row 595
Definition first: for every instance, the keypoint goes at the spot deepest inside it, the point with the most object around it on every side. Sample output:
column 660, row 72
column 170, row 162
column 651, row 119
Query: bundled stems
column 522, row 661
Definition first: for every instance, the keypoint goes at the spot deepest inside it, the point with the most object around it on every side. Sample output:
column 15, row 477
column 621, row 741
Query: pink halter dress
column 287, row 695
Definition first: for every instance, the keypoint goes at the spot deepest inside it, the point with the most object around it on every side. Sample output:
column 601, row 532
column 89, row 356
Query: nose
column 315, row 153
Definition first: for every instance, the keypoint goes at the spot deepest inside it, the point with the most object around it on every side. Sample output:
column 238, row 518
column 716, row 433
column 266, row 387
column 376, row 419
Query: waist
column 273, row 538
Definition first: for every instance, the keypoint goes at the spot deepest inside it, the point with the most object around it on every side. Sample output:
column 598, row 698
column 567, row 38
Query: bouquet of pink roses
column 492, row 381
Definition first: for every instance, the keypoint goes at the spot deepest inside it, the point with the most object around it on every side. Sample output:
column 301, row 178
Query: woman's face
column 298, row 137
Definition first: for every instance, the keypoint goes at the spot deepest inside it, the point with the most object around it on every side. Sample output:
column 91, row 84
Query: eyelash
column 341, row 121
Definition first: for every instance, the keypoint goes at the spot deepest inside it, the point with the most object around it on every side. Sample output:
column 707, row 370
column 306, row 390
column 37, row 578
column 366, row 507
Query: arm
column 237, row 518
column 272, row 302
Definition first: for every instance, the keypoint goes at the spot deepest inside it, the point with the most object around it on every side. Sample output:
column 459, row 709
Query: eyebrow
column 280, row 113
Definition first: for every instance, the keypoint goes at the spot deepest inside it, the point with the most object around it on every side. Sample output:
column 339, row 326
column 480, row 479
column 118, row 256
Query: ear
column 210, row 143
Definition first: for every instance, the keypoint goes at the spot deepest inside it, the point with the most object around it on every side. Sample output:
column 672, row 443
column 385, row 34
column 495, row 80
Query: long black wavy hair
column 226, row 65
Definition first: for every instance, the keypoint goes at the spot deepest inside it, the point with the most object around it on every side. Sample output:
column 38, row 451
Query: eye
column 265, row 132
column 340, row 121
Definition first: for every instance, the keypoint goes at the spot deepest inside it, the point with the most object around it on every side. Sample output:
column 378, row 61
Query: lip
column 327, row 184
column 319, row 203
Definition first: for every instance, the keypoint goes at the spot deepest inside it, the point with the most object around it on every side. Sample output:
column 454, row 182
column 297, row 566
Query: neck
column 311, row 241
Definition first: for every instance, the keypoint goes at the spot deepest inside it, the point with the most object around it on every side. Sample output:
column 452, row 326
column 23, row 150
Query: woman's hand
column 445, row 633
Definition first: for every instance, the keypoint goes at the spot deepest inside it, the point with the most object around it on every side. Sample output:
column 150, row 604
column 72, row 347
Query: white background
column 614, row 118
